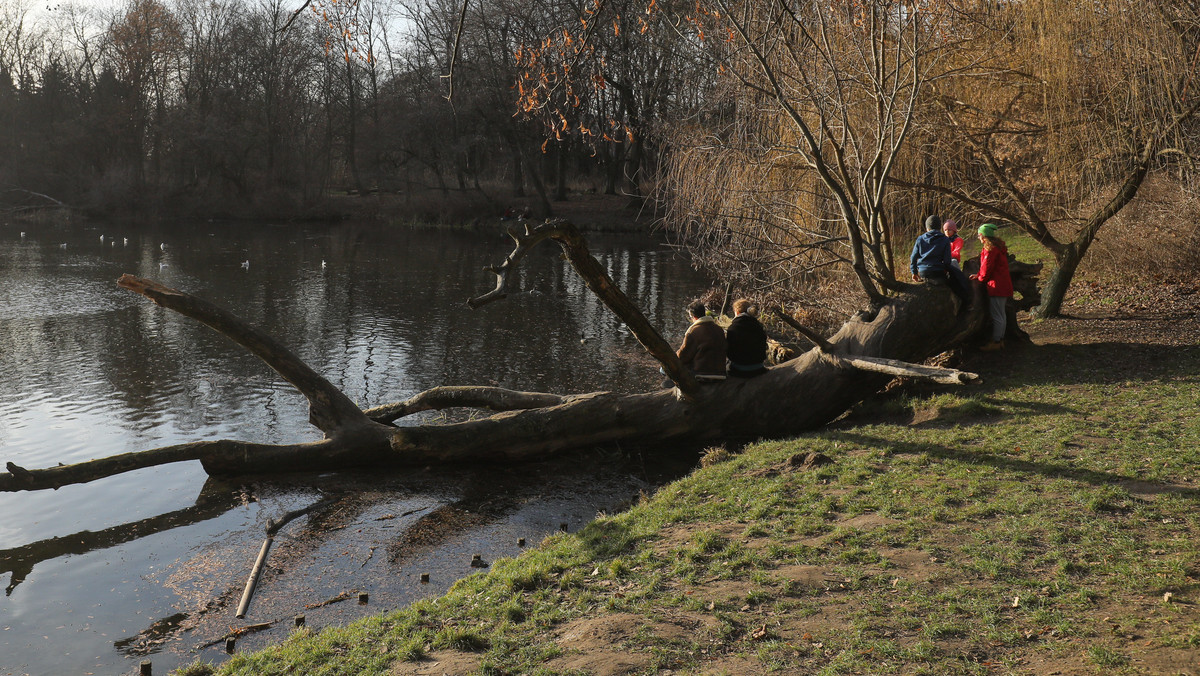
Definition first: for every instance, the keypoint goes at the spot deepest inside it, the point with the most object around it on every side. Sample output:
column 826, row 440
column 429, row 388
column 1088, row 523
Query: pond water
column 150, row 565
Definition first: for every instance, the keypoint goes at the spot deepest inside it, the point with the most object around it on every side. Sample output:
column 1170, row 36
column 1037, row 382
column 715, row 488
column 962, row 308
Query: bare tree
column 790, row 172
column 1066, row 109
column 146, row 42
column 613, row 77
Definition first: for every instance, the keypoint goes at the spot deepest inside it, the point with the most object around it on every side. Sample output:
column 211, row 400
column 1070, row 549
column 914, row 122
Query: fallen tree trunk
column 802, row 394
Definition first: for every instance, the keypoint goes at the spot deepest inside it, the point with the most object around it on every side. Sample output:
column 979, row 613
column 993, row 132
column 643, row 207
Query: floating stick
column 272, row 528
column 254, row 573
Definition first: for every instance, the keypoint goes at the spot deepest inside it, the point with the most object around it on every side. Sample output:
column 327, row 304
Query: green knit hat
column 987, row 230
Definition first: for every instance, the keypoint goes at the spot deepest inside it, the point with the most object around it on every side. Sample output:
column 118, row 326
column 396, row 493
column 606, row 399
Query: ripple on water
column 43, row 298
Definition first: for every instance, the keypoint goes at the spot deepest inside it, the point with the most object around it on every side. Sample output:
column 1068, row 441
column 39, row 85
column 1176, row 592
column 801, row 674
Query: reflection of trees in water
column 215, row 499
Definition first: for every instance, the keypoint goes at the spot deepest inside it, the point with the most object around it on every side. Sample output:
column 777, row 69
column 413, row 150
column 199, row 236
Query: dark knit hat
column 934, row 222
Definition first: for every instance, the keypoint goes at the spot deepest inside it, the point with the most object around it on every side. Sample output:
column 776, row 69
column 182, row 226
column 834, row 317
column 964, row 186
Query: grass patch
column 1039, row 520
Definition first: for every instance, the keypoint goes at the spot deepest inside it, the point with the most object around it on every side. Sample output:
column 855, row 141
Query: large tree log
column 799, row 395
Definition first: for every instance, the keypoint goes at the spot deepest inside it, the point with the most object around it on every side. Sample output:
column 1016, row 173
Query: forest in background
column 268, row 108
column 791, row 147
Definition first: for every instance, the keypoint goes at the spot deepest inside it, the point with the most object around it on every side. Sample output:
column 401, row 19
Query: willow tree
column 789, row 177
column 1063, row 111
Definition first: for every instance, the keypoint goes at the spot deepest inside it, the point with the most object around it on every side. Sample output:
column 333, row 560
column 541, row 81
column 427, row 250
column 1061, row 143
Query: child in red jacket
column 950, row 229
column 993, row 271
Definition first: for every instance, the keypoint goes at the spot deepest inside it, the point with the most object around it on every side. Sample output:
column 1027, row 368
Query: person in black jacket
column 746, row 342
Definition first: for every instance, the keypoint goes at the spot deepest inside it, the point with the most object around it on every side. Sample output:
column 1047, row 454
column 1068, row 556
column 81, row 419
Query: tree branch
column 812, row 336
column 21, row 479
column 458, row 33
column 903, row 369
column 294, row 15
column 438, row 398
column 38, row 194
column 329, row 409
column 597, row 279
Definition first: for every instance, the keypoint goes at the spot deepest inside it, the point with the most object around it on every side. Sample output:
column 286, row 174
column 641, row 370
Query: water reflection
column 88, row 370
column 214, row 500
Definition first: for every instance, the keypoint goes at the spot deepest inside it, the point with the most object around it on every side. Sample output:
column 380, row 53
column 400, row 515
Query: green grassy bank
column 1043, row 522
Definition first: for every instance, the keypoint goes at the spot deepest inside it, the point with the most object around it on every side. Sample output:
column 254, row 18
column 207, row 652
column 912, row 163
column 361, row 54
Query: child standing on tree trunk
column 993, row 271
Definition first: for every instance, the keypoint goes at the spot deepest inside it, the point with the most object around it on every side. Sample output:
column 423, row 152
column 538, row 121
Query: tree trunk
column 539, row 185
column 351, row 128
column 518, row 178
column 1055, row 291
column 612, row 167
column 560, row 174
column 802, row 394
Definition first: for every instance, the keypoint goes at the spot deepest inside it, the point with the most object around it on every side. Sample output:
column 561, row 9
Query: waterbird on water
column 163, row 246
column 63, row 245
column 22, row 235
column 245, row 265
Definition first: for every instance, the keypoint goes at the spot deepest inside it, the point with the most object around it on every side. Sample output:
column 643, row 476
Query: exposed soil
column 1134, row 315
column 442, row 663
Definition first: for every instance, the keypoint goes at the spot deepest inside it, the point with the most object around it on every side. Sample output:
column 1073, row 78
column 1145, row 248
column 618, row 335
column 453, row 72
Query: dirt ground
column 1154, row 314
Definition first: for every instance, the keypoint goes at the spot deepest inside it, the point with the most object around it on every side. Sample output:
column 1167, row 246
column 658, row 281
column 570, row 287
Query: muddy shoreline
column 379, row 536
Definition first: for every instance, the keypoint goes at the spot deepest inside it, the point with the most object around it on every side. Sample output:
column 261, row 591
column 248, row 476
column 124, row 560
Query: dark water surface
column 150, row 565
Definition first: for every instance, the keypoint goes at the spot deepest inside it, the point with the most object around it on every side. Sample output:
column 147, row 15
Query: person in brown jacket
column 703, row 349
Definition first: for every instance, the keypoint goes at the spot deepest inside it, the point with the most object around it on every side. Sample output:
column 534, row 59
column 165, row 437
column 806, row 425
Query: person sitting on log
column 703, row 348
column 746, row 342
column 950, row 229
column 931, row 260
